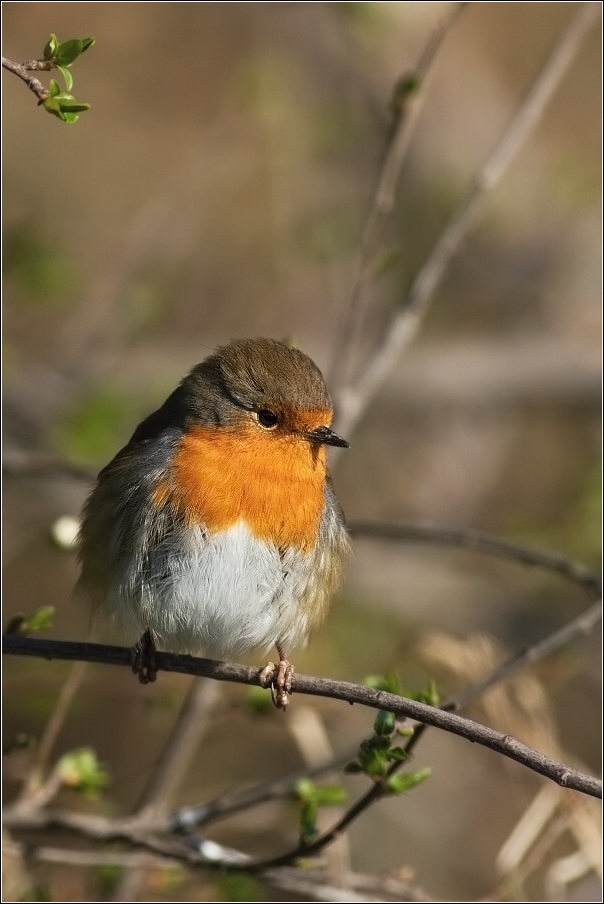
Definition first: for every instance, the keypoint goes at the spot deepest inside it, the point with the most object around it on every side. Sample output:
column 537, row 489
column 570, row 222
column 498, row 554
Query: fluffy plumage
column 216, row 532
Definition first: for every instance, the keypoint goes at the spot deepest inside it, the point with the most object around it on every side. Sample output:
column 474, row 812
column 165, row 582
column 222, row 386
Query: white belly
column 218, row 594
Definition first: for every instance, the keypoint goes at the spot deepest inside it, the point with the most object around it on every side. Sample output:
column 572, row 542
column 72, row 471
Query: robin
column 216, row 530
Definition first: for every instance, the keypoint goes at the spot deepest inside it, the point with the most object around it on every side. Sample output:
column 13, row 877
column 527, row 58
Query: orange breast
column 275, row 483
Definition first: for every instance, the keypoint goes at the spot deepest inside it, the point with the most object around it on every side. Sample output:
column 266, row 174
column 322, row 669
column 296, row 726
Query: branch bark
column 321, row 687
column 21, row 70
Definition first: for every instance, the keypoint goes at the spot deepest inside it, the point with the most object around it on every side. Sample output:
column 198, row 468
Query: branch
column 578, row 627
column 188, row 817
column 308, row 882
column 223, row 806
column 170, row 769
column 22, row 463
column 21, row 71
column 321, row 687
column 479, row 541
column 353, row 399
column 408, row 100
column 52, row 729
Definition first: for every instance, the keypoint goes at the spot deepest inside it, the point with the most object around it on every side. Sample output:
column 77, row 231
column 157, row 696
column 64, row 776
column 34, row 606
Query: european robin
column 216, row 530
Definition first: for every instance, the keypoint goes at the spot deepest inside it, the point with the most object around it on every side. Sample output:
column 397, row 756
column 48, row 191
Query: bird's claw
column 281, row 685
column 143, row 659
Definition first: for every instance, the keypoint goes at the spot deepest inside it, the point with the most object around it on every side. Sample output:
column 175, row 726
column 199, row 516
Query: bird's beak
column 327, row 437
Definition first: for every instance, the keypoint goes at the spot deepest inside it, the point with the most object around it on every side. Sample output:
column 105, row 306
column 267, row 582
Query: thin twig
column 322, row 687
column 171, row 768
column 580, row 626
column 179, row 750
column 480, row 541
column 22, row 463
column 52, row 729
column 353, row 399
column 406, row 117
column 128, row 860
column 21, row 70
column 188, row 817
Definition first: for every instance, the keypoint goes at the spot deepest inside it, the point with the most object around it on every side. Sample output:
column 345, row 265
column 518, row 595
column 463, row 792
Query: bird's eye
column 267, row 418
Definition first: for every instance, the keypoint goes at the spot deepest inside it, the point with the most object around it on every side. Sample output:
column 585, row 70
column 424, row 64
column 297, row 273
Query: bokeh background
column 218, row 188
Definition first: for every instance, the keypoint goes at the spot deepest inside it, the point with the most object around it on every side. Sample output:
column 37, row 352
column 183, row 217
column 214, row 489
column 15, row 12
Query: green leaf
column 70, row 105
column 353, row 767
column 52, row 105
column 397, row 755
column 54, row 88
column 67, row 76
column 374, row 763
column 305, row 789
column 389, row 683
column 331, row 795
column 384, row 723
column 308, row 820
column 68, row 52
column 428, row 695
column 51, row 48
column 398, row 784
column 80, row 769
column 86, row 44
column 406, row 731
column 39, row 620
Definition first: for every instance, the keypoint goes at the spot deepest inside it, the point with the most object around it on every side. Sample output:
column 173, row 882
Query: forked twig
column 352, row 400
column 408, row 101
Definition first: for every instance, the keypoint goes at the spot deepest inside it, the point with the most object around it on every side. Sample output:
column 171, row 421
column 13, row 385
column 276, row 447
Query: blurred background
column 218, row 188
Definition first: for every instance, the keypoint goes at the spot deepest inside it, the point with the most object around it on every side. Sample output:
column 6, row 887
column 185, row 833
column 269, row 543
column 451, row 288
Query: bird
column 216, row 529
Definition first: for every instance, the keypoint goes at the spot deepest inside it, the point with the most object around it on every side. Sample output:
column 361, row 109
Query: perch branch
column 322, row 687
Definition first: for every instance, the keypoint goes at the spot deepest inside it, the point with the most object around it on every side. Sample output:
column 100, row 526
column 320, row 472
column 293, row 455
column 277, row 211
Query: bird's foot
column 281, row 684
column 143, row 659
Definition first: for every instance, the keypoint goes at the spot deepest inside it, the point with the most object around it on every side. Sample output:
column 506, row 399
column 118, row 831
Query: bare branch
column 322, row 687
column 22, row 463
column 353, row 399
column 21, row 71
column 407, row 108
column 171, row 768
column 47, row 854
column 52, row 729
column 581, row 625
column 480, row 541
column 189, row 817
column 180, row 748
